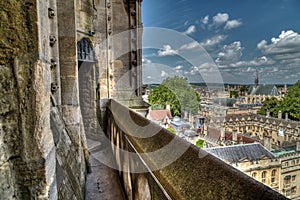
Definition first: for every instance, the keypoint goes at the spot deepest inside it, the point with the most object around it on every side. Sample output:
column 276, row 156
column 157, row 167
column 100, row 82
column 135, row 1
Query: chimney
column 268, row 113
column 168, row 106
column 298, row 146
column 205, row 132
column 234, row 136
column 279, row 114
column 222, row 134
column 267, row 143
column 241, row 141
column 286, row 116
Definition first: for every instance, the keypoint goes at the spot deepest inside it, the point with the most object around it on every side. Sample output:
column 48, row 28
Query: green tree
column 234, row 94
column 177, row 92
column 289, row 104
column 271, row 105
column 244, row 89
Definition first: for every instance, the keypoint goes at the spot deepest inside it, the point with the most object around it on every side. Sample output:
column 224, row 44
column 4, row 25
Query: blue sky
column 238, row 35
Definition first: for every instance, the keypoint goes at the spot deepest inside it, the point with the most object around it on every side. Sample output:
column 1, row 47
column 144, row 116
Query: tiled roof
column 216, row 135
column 238, row 153
column 159, row 114
column 264, row 90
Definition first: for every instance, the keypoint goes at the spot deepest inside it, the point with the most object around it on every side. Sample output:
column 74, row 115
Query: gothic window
column 294, row 178
column 85, row 51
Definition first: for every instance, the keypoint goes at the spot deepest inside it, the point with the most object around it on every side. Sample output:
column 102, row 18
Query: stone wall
column 27, row 150
column 42, row 142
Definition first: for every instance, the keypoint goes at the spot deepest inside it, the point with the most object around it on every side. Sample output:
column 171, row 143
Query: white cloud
column 232, row 24
column 220, row 18
column 230, row 54
column 167, row 51
column 163, row 74
column 205, row 19
column 284, row 35
column 146, row 60
column 190, row 46
column 286, row 46
column 213, row 41
column 191, row 29
column 262, row 44
column 256, row 62
column 178, row 67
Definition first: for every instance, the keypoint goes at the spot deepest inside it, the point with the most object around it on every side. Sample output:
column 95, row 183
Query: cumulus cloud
column 262, row 61
column 205, row 19
column 167, row 51
column 230, row 54
column 213, row 41
column 220, row 18
column 189, row 46
column 285, row 46
column 191, row 29
column 232, row 24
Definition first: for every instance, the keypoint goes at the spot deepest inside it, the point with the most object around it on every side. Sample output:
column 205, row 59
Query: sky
column 232, row 38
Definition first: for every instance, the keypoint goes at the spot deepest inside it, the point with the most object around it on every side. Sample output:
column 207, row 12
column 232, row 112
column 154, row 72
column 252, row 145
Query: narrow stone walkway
column 103, row 183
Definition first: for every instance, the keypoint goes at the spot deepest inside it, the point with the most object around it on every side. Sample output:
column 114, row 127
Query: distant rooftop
column 159, row 114
column 238, row 153
column 264, row 90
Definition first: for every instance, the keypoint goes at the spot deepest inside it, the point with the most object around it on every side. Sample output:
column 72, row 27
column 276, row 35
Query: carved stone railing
column 156, row 164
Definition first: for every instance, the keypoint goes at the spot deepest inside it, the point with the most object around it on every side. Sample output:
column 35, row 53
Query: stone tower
column 57, row 58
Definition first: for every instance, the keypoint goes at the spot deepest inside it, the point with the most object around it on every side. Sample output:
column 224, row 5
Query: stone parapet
column 143, row 155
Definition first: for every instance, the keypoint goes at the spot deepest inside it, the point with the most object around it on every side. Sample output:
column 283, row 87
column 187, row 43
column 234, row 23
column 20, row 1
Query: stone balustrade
column 156, row 164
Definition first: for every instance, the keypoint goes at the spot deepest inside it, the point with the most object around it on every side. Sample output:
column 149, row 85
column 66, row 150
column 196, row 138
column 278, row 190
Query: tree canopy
column 178, row 93
column 289, row 104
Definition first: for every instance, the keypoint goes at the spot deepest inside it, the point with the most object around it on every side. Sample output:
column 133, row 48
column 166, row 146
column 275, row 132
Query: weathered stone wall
column 70, row 162
column 43, row 153
column 27, row 160
column 32, row 164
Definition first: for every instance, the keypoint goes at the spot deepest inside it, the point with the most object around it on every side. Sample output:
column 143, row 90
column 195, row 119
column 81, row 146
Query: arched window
column 254, row 175
column 85, row 51
column 263, row 176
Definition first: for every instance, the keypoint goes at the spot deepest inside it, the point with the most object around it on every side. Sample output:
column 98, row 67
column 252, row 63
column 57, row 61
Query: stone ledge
column 195, row 174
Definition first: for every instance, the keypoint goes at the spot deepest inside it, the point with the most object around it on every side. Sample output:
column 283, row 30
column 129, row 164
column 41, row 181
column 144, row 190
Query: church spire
column 256, row 79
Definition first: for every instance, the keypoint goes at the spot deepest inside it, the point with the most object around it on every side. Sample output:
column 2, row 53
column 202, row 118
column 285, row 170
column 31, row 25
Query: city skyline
column 240, row 37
